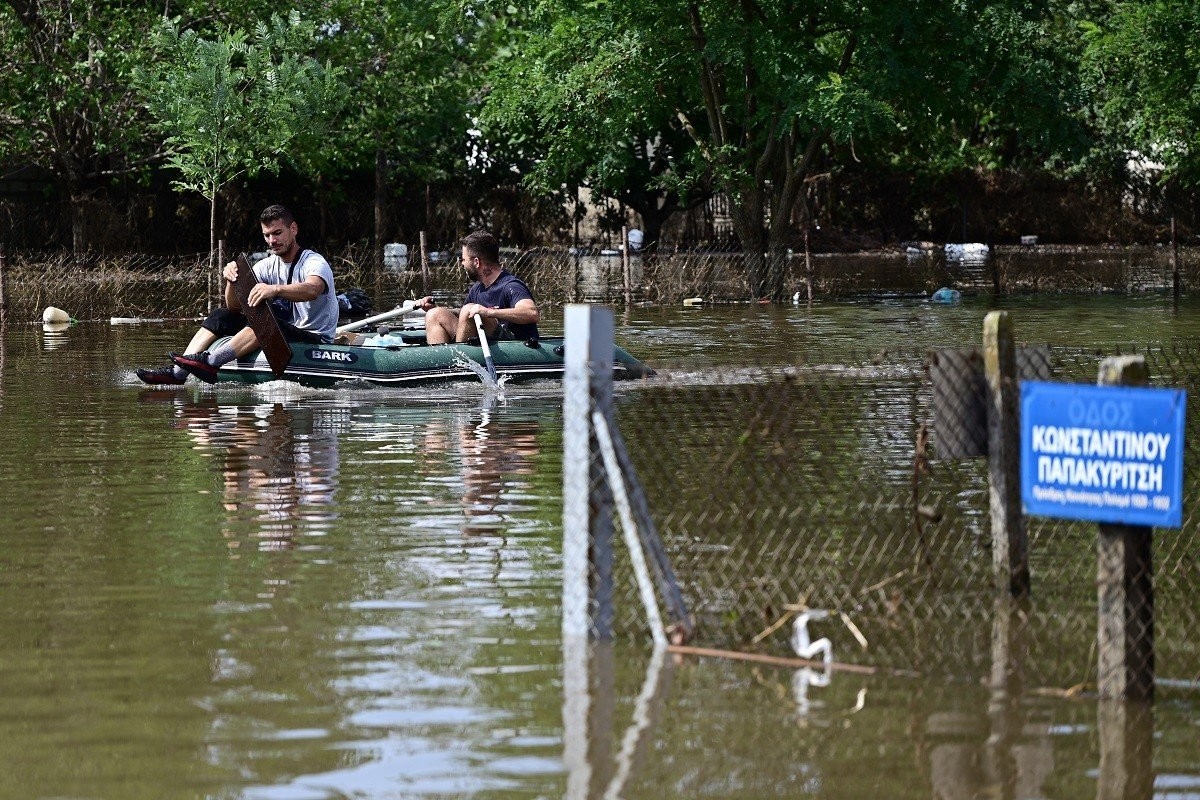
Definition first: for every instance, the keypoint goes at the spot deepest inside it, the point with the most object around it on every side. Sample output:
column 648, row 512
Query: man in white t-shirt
column 298, row 284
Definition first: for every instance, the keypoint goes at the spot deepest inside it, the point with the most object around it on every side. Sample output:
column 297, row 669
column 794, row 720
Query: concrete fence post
column 587, row 500
column 1010, row 546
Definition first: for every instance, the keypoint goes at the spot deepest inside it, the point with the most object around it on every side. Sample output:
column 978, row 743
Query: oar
column 408, row 307
column 487, row 350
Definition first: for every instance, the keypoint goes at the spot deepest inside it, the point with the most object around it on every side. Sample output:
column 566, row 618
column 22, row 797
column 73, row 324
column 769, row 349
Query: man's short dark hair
column 484, row 245
column 276, row 212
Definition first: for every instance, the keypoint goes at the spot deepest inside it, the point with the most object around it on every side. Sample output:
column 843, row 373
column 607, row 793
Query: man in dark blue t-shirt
column 500, row 298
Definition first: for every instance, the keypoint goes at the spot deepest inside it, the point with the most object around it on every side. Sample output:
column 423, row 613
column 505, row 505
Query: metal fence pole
column 587, row 501
column 1125, row 583
column 1010, row 548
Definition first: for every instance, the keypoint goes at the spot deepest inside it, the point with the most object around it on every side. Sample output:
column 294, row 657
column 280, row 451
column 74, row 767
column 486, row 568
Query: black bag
column 355, row 303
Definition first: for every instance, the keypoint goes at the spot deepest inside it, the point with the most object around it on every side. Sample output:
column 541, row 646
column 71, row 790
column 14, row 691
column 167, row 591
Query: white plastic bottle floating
column 52, row 315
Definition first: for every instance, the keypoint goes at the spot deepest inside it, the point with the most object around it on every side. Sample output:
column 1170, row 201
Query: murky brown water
column 281, row 593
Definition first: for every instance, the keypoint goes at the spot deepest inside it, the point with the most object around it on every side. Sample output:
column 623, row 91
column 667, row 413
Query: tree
column 411, row 79
column 575, row 125
column 761, row 88
column 67, row 103
column 1142, row 62
column 235, row 104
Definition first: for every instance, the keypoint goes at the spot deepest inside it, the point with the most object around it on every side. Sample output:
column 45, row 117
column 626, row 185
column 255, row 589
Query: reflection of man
column 280, row 473
column 501, row 299
column 492, row 455
column 494, row 452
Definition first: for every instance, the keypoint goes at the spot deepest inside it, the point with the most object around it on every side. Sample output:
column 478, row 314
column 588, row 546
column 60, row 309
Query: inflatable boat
column 405, row 359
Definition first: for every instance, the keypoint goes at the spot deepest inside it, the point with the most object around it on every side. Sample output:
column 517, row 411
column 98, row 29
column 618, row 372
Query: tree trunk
column 380, row 199
column 746, row 212
column 78, row 230
column 323, row 207
column 212, row 231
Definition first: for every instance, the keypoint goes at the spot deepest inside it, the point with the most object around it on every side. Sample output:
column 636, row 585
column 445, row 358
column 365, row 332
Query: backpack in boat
column 355, row 303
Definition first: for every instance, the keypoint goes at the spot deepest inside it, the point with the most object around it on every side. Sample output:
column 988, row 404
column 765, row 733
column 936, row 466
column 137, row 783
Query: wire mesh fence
column 826, row 487
column 96, row 286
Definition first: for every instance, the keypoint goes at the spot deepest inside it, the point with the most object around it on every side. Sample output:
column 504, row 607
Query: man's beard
column 473, row 273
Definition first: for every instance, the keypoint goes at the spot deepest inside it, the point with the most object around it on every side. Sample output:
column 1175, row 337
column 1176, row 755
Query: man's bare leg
column 440, row 325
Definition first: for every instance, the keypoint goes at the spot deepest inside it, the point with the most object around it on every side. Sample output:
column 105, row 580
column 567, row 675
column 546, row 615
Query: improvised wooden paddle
column 487, row 350
column 261, row 320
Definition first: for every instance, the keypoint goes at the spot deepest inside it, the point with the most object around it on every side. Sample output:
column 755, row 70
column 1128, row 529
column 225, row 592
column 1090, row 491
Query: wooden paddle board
column 261, row 320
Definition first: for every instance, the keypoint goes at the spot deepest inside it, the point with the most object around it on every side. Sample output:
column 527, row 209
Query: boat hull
column 326, row 365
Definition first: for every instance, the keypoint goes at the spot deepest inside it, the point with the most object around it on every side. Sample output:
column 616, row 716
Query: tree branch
column 709, row 84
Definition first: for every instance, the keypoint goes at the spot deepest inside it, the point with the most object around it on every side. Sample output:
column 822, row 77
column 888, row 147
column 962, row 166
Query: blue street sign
column 1103, row 453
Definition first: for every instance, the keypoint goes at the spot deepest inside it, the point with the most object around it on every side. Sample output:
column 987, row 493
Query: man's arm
column 525, row 312
column 229, row 273
column 308, row 290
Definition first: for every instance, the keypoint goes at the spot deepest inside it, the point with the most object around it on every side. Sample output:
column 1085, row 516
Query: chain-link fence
column 98, row 287
column 823, row 487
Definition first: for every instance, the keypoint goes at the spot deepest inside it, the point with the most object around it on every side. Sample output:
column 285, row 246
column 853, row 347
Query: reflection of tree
column 279, row 464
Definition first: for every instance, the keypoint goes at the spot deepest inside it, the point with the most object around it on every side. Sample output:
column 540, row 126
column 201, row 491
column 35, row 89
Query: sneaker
column 197, row 364
column 163, row 376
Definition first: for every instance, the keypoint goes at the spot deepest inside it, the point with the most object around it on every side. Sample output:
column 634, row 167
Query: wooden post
column 627, row 275
column 3, row 287
column 1010, row 547
column 1125, row 583
column 424, row 266
column 215, row 286
column 1007, row 687
column 1174, row 263
column 587, row 500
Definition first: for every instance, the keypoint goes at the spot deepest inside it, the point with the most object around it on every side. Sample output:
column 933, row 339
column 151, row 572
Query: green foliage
column 236, row 103
column 408, row 67
column 1142, row 60
column 748, row 97
column 66, row 100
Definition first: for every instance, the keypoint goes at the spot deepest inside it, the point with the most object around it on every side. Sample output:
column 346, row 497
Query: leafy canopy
column 235, row 104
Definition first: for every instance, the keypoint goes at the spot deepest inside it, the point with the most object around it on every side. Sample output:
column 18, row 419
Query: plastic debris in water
column 804, row 647
column 947, row 296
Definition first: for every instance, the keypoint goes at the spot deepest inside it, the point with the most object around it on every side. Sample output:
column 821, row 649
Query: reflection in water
column 496, row 455
column 142, row 661
column 279, row 463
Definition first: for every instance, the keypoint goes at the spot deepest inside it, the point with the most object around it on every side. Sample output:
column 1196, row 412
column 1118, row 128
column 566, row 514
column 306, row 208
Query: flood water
column 289, row 594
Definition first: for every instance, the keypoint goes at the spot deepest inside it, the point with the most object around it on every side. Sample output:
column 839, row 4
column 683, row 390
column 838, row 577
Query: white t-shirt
column 320, row 315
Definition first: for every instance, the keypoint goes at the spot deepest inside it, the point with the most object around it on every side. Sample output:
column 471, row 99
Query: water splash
column 497, row 386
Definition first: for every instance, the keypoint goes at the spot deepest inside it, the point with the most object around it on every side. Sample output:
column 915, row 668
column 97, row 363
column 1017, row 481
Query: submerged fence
column 823, row 488
column 103, row 286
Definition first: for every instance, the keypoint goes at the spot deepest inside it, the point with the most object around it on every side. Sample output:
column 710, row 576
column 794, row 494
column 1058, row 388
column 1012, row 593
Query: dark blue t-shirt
column 505, row 293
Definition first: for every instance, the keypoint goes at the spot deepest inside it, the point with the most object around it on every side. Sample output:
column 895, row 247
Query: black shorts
column 224, row 322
